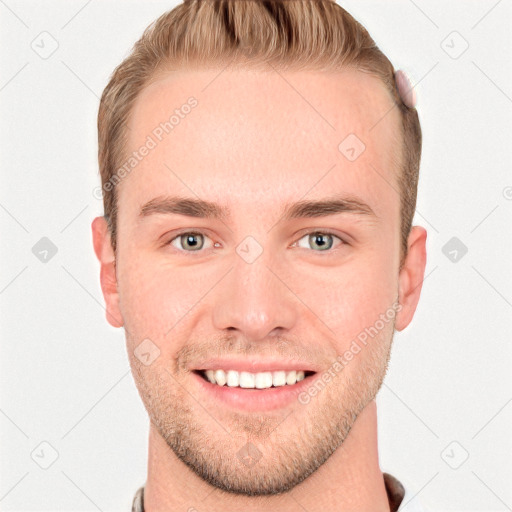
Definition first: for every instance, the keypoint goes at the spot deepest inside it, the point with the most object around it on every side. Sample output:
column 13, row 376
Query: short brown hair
column 299, row 34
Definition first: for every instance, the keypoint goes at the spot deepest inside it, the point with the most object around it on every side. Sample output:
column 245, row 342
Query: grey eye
column 318, row 240
column 189, row 242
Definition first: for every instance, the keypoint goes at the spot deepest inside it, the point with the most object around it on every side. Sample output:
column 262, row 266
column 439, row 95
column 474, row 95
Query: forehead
column 234, row 135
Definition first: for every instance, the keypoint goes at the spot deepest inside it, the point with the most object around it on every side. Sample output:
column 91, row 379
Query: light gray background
column 65, row 376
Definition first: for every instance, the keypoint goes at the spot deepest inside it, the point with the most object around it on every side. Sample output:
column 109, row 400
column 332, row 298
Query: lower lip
column 255, row 399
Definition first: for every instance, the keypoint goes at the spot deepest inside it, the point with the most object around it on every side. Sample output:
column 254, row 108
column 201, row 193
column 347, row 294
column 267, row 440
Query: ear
column 410, row 279
column 105, row 254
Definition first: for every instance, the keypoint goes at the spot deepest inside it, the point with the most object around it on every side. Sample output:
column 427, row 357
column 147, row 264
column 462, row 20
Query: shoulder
column 138, row 500
column 400, row 494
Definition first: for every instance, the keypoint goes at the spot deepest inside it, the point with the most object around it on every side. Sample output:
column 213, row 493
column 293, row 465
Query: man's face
column 255, row 143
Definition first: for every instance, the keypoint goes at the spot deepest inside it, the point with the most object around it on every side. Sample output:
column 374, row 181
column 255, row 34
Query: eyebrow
column 190, row 207
column 328, row 206
column 200, row 208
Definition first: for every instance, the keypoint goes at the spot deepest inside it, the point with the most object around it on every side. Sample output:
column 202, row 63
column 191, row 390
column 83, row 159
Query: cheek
column 157, row 300
column 351, row 297
column 151, row 299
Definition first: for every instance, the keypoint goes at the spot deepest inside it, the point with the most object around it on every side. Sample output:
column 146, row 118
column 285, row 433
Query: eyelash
column 315, row 231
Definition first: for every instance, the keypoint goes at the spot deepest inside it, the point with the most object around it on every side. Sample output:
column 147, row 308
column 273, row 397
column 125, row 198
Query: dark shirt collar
column 394, row 489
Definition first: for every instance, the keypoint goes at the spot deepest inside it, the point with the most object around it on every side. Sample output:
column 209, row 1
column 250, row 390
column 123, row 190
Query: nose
column 253, row 300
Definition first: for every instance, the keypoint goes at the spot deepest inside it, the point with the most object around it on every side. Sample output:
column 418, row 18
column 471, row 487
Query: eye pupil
column 314, row 239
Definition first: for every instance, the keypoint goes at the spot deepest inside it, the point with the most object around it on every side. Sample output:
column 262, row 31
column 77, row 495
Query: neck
column 350, row 479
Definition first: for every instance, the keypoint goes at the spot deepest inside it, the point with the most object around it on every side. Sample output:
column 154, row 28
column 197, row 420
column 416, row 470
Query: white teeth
column 233, row 379
column 263, row 380
column 291, row 377
column 279, row 378
column 247, row 380
column 220, row 377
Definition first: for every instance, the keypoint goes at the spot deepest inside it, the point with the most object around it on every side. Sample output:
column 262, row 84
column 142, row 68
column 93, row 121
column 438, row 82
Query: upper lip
column 255, row 365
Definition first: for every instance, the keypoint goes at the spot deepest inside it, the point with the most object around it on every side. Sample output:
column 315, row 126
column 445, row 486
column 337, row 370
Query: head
column 251, row 107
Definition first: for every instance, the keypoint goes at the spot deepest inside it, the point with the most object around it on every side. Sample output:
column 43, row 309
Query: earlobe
column 108, row 279
column 410, row 279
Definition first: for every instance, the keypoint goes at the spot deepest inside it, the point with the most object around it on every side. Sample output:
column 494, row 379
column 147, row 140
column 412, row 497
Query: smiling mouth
column 253, row 381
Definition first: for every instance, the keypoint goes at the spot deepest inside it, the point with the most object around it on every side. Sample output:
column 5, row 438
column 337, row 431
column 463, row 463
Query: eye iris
column 190, row 239
column 315, row 237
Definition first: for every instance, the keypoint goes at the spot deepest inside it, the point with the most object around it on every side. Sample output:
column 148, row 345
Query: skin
column 253, row 145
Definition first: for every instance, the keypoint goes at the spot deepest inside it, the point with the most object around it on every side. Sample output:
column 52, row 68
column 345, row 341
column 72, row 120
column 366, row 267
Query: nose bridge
column 252, row 299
